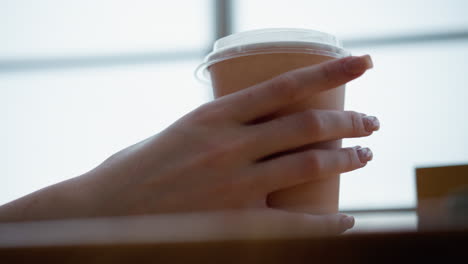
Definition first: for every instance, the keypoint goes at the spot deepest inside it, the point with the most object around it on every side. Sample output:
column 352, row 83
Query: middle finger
column 311, row 126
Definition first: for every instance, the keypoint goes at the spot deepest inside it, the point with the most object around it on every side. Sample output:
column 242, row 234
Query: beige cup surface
column 319, row 197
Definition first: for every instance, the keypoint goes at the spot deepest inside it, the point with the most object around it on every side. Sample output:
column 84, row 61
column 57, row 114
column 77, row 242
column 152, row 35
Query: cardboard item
column 442, row 197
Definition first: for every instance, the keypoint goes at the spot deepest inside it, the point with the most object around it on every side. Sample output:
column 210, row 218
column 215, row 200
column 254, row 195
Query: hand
column 212, row 158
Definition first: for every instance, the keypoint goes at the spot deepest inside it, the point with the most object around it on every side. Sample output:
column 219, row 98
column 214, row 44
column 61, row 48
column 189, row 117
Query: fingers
column 268, row 97
column 262, row 223
column 327, row 225
column 304, row 224
column 299, row 129
column 292, row 169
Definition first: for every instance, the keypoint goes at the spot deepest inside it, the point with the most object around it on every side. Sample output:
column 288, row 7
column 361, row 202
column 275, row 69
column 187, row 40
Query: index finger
column 285, row 89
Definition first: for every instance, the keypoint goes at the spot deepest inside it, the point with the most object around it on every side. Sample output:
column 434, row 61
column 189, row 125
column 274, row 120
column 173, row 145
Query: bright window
column 60, row 124
column 55, row 28
column 356, row 18
column 129, row 74
column 419, row 93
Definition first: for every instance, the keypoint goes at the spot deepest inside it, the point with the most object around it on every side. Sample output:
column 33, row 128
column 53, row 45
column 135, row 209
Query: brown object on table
column 190, row 238
column 442, row 194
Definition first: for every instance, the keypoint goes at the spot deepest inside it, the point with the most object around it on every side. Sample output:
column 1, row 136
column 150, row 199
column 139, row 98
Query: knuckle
column 283, row 86
column 215, row 153
column 357, row 127
column 308, row 124
column 314, row 124
column 350, row 159
column 203, row 113
column 312, row 164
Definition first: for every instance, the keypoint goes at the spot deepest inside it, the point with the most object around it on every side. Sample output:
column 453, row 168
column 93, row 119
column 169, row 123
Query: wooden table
column 184, row 239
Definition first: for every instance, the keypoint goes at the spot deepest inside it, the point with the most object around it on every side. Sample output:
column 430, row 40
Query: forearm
column 68, row 199
column 96, row 193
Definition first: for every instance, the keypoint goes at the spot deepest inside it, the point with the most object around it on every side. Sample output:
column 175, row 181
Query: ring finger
column 311, row 126
column 292, row 169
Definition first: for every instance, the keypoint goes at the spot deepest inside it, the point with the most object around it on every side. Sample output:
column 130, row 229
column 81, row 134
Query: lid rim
column 299, row 34
column 269, row 47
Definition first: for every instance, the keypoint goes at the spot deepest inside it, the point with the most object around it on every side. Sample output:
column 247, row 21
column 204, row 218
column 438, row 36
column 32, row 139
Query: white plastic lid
column 271, row 40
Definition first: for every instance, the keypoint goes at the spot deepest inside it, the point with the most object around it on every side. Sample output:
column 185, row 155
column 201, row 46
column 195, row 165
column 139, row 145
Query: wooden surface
column 177, row 239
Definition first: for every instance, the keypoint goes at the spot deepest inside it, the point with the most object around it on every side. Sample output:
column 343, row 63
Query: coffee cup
column 244, row 59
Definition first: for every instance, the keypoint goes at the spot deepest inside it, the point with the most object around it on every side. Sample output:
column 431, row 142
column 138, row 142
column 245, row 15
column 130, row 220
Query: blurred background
column 80, row 80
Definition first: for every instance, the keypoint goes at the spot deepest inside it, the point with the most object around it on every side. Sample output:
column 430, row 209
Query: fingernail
column 365, row 154
column 347, row 222
column 357, row 65
column 371, row 123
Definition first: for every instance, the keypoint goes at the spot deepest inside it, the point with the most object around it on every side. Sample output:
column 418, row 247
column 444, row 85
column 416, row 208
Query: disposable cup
column 244, row 59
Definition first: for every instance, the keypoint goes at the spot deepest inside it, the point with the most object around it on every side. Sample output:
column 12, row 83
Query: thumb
column 329, row 224
column 280, row 222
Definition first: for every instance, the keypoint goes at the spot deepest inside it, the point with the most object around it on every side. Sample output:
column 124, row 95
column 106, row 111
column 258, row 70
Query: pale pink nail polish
column 365, row 154
column 371, row 123
column 357, row 65
column 347, row 222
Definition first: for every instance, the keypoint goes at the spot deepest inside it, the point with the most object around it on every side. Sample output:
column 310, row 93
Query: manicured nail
column 357, row 65
column 347, row 222
column 365, row 154
column 371, row 123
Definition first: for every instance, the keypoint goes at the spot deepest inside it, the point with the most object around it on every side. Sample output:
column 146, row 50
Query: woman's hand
column 213, row 158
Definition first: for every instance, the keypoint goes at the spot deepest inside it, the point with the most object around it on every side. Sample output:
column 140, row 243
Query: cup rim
column 267, row 41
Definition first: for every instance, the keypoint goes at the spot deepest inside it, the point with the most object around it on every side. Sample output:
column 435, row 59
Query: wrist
column 68, row 199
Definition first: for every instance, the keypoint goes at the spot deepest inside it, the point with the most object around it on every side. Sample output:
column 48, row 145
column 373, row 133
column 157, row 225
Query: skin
column 213, row 157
